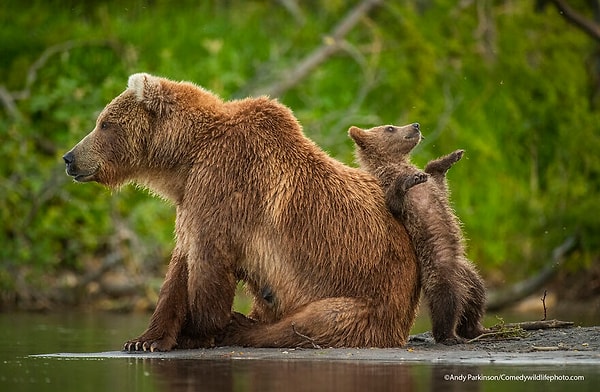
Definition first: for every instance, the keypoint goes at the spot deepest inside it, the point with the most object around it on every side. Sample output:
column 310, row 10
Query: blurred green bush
column 518, row 90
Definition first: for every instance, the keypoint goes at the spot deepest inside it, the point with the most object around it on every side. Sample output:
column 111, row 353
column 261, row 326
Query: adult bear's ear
column 151, row 91
column 357, row 135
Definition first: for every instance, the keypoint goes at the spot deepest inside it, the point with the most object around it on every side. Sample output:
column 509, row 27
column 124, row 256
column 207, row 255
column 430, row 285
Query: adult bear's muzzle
column 75, row 172
column 69, row 159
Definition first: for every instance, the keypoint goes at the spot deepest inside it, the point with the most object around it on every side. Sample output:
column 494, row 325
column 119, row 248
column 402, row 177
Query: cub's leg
column 444, row 315
column 470, row 323
column 330, row 322
column 444, row 290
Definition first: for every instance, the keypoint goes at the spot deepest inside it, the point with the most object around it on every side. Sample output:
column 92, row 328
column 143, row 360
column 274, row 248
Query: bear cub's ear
column 149, row 90
column 357, row 135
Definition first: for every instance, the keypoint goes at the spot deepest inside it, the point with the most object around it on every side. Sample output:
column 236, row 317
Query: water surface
column 25, row 334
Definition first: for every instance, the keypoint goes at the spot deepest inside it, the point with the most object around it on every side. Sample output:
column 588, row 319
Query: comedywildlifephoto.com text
column 462, row 377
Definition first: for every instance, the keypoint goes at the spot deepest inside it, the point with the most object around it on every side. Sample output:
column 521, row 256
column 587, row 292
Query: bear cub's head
column 386, row 143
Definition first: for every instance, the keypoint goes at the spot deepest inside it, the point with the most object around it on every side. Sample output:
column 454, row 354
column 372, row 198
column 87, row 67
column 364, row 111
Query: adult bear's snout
column 68, row 158
column 79, row 166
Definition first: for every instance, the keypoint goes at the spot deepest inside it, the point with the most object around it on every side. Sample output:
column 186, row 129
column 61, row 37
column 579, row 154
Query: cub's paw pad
column 457, row 155
column 415, row 179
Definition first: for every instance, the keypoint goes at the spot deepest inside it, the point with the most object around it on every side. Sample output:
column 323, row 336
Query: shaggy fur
column 256, row 201
column 453, row 288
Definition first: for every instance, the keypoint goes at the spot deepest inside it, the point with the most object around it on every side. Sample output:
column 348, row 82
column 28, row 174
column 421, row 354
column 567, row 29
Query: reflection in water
column 25, row 334
column 258, row 375
column 264, row 375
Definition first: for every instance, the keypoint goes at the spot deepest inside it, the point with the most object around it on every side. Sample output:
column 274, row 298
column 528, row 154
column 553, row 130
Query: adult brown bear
column 256, row 201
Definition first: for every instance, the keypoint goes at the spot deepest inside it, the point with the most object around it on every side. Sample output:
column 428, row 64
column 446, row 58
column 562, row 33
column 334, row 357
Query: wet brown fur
column 255, row 201
column 453, row 288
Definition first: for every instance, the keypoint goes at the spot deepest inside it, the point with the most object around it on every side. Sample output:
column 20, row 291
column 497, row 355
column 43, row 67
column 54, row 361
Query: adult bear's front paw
column 146, row 343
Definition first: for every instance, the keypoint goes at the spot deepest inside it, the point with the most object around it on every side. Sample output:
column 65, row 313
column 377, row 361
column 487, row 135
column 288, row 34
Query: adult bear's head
column 144, row 131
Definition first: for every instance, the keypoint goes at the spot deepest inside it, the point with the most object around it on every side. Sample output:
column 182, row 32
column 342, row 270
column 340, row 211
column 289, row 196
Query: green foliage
column 510, row 86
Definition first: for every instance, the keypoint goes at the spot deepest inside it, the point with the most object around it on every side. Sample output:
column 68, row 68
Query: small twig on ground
column 308, row 338
column 546, row 348
column 544, row 324
column 544, row 304
column 515, row 332
column 509, row 330
column 503, row 330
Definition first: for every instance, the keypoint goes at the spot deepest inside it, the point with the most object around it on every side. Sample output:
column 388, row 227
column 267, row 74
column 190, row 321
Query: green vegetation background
column 517, row 89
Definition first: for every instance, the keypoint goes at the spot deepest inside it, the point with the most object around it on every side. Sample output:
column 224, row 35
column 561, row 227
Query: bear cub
column 453, row 288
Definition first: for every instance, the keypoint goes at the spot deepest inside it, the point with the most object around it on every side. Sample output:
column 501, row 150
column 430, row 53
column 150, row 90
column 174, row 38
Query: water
column 26, row 334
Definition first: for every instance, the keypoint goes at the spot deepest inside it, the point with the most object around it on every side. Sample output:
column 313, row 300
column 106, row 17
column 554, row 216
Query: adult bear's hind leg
column 330, row 322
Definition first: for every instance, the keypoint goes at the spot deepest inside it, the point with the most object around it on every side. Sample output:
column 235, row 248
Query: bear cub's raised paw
column 415, row 179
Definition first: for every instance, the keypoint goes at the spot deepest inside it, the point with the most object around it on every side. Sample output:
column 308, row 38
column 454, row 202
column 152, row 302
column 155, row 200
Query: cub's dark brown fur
column 453, row 288
column 259, row 202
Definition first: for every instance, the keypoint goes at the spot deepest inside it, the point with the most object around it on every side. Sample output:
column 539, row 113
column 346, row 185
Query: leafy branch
column 332, row 43
column 571, row 15
column 8, row 98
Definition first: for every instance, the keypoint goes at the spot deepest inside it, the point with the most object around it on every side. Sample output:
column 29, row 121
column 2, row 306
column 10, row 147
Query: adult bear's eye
column 103, row 125
column 390, row 129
